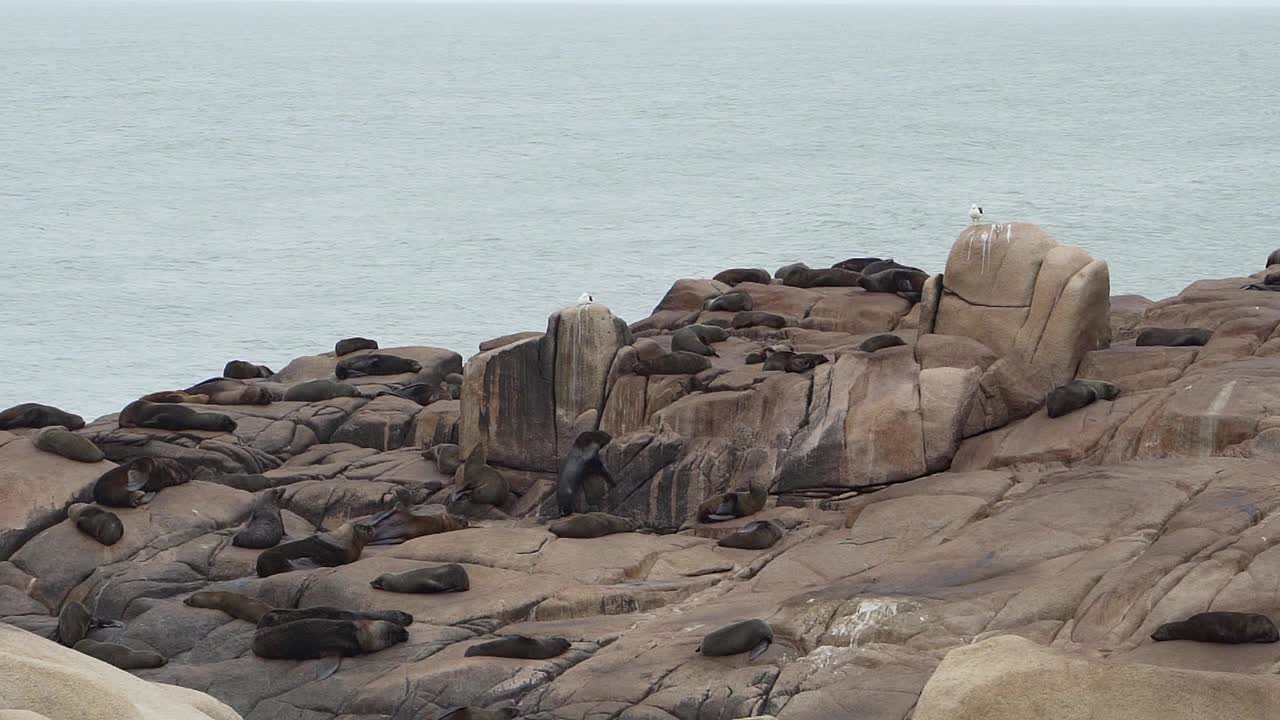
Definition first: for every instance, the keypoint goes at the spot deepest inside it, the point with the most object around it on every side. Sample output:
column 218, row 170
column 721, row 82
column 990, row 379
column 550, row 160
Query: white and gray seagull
column 975, row 213
column 585, row 299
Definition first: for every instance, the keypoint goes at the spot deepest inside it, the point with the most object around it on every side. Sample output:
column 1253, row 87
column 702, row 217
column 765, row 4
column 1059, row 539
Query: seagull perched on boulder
column 585, row 299
column 975, row 213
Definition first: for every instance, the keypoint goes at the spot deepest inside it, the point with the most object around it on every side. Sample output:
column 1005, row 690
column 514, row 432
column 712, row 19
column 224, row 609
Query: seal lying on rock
column 137, row 481
column 794, row 362
column 1273, row 258
column 320, row 391
column 441, row 579
column 467, row 712
column 142, row 414
column 481, row 483
column 880, row 342
column 175, row 397
column 735, row 301
column 1173, row 337
column 340, row 547
column 900, row 281
column 856, row 264
column 75, row 621
column 375, row 364
column 423, row 393
column 755, row 357
column 582, row 464
column 696, row 339
column 316, row 638
column 735, row 276
column 125, row 658
column 1220, row 627
column 280, row 616
column 241, row 607
column 785, row 270
column 352, row 344
column 829, row 277
column 880, row 266
column 1077, row 394
column 730, row 505
column 223, row 391
column 244, row 370
column 398, row 525
column 35, row 415
column 591, row 525
column 101, row 525
column 752, row 636
column 520, row 646
column 448, row 457
column 61, row 441
column 759, row 535
column 674, row 363
column 758, row 318
column 265, row 527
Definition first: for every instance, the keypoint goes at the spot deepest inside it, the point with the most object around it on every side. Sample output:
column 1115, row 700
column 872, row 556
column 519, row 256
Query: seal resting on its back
column 241, row 607
column 352, row 344
column 582, row 464
column 319, row 391
column 1173, row 337
column 101, row 525
column 142, row 414
column 340, row 547
column 1077, row 394
column 316, row 638
column 1220, row 627
column 758, row 535
column 61, row 441
column 752, row 636
column 35, row 415
column 591, row 525
column 265, row 527
column 375, row 364
column 730, row 505
column 520, row 646
column 442, row 579
column 137, row 481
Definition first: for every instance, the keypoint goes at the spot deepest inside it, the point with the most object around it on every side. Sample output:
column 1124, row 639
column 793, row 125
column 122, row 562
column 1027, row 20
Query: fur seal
column 674, row 363
column 244, row 370
column 580, row 465
column 889, row 264
column 352, row 344
column 265, row 529
column 224, row 391
column 829, row 277
column 174, row 397
column 398, row 525
column 101, row 525
column 695, row 339
column 142, row 414
column 75, row 622
column 241, row 607
column 441, row 579
column 320, row 391
column 480, row 482
column 448, row 457
column 856, row 264
column 735, row 276
column 782, row 272
column 35, row 415
column 1273, row 258
column 880, row 342
column 280, row 616
column 793, row 362
column 759, row 535
column 1173, row 337
column 1077, row 394
column 467, row 712
column 61, row 441
column 730, row 505
column 125, row 658
column 735, row 301
column 422, row 393
column 897, row 280
column 752, row 636
column 591, row 525
column 756, row 357
column 375, row 364
column 137, row 481
column 316, row 638
column 758, row 318
column 520, row 646
column 340, row 547
column 1220, row 627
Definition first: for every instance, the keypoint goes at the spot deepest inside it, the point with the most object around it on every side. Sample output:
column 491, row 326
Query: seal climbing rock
column 582, row 464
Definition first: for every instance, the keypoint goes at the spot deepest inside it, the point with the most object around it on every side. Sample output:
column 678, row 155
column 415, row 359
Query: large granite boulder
column 36, row 487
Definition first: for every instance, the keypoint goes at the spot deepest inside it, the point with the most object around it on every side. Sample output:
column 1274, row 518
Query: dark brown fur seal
column 442, row 579
column 352, row 344
column 481, row 483
column 174, row 397
column 758, row 318
column 880, row 342
column 735, row 276
column 137, row 481
column 280, row 616
column 759, row 535
column 756, row 357
column 1077, row 394
column 35, row 415
column 1173, row 337
column 729, row 302
column 690, row 338
column 674, row 363
column 241, row 607
column 223, row 391
column 794, row 362
column 340, row 547
column 375, row 364
column 142, row 414
column 894, row 281
column 75, row 622
column 591, row 525
column 423, row 393
column 244, row 370
column 398, row 525
column 582, row 464
column 752, row 636
column 125, row 658
column 101, row 525
column 467, row 712
column 448, row 457
column 890, row 264
column 1273, row 258
column 265, row 527
column 829, row 277
column 730, row 505
column 520, row 646
column 61, row 441
column 782, row 272
column 857, row 264
column 320, row 391
column 1220, row 627
column 317, row 638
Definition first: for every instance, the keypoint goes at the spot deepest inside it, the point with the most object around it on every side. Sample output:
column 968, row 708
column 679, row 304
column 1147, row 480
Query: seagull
column 585, row 299
column 975, row 213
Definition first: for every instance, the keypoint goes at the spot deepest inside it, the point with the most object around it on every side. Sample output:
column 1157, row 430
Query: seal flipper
column 327, row 667
column 759, row 649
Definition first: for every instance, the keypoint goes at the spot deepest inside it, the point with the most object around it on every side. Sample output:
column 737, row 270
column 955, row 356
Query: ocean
column 183, row 184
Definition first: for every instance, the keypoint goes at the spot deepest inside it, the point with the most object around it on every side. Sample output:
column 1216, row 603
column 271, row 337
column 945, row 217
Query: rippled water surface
column 185, row 184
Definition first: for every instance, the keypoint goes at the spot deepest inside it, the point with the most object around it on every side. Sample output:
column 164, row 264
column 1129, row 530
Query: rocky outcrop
column 36, row 487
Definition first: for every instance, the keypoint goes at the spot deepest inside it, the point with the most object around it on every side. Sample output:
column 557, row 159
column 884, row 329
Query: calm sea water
column 185, row 184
